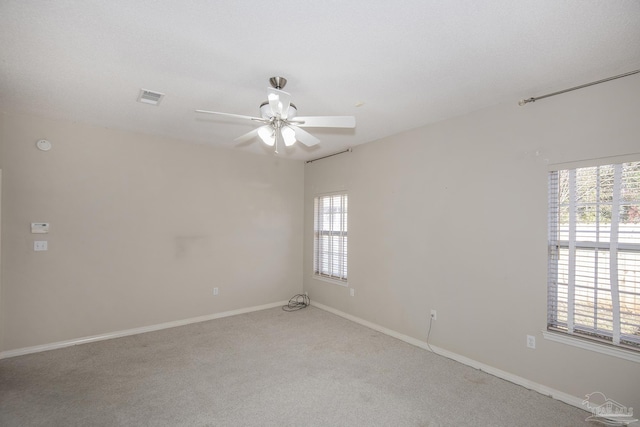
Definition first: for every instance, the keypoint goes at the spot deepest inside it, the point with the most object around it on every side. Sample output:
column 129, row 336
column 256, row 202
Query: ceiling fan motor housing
column 266, row 113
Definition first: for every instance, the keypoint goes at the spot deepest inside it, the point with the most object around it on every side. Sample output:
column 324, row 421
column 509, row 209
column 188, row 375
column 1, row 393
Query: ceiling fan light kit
column 280, row 122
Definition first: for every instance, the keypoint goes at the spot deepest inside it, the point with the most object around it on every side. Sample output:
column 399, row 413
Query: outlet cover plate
column 531, row 341
column 40, row 245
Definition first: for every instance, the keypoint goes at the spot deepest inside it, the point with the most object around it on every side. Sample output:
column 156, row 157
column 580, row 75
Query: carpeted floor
column 266, row 368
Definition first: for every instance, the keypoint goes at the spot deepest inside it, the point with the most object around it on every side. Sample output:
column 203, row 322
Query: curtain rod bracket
column 526, row 101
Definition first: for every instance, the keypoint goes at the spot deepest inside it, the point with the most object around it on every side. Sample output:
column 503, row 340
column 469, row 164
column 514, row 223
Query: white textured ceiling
column 410, row 62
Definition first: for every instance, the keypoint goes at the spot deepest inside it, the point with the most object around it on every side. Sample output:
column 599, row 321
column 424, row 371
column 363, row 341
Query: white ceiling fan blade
column 237, row 116
column 247, row 136
column 305, row 137
column 279, row 101
column 325, row 121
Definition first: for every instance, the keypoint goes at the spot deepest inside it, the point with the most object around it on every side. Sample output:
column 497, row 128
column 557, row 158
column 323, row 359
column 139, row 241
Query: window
column 594, row 253
column 330, row 237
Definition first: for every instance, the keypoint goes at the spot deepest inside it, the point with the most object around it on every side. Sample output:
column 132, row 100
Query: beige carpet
column 267, row 368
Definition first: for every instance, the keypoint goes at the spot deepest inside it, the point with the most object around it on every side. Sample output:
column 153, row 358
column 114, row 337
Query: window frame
column 612, row 342
column 341, row 252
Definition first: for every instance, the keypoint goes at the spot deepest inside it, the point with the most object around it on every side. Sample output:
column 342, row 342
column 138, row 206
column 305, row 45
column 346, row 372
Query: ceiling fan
column 280, row 122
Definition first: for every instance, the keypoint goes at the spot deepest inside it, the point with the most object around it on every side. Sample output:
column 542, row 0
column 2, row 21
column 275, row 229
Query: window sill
column 335, row 282
column 592, row 346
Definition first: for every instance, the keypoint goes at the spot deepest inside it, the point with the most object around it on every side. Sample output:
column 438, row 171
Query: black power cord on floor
column 297, row 302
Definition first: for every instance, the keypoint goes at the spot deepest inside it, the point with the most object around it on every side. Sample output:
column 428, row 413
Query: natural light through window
column 330, row 237
column 594, row 253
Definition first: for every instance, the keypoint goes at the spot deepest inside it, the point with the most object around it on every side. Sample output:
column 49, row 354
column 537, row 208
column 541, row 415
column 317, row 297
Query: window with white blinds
column 594, row 253
column 330, row 237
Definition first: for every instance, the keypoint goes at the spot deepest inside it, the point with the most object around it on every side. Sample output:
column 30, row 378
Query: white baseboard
column 134, row 331
column 542, row 389
column 547, row 391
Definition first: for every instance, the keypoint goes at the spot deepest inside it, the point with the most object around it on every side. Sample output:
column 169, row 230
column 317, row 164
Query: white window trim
column 625, row 158
column 588, row 344
column 329, row 280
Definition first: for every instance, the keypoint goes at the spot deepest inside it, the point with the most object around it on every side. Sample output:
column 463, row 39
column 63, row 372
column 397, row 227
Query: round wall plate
column 43, row 145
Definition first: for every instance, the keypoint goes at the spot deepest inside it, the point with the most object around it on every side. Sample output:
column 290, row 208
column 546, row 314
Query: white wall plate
column 43, row 145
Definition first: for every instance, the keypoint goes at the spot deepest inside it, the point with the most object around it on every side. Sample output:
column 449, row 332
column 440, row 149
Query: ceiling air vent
column 150, row 97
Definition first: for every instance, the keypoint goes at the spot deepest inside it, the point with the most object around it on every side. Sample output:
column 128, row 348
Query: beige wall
column 142, row 230
column 450, row 216
column 1, row 322
column 453, row 217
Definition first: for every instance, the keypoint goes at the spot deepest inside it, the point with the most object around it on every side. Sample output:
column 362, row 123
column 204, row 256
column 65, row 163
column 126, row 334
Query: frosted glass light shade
column 289, row 136
column 266, row 134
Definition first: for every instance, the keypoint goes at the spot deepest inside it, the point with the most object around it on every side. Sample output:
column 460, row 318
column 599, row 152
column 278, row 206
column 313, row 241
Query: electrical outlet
column 215, row 291
column 531, row 341
column 352, row 292
column 40, row 245
column 434, row 315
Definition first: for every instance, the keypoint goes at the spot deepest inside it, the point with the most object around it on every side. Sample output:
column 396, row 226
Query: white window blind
column 330, row 237
column 594, row 253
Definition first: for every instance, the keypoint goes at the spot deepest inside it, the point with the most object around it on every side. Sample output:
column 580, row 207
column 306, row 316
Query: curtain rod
column 534, row 99
column 348, row 150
